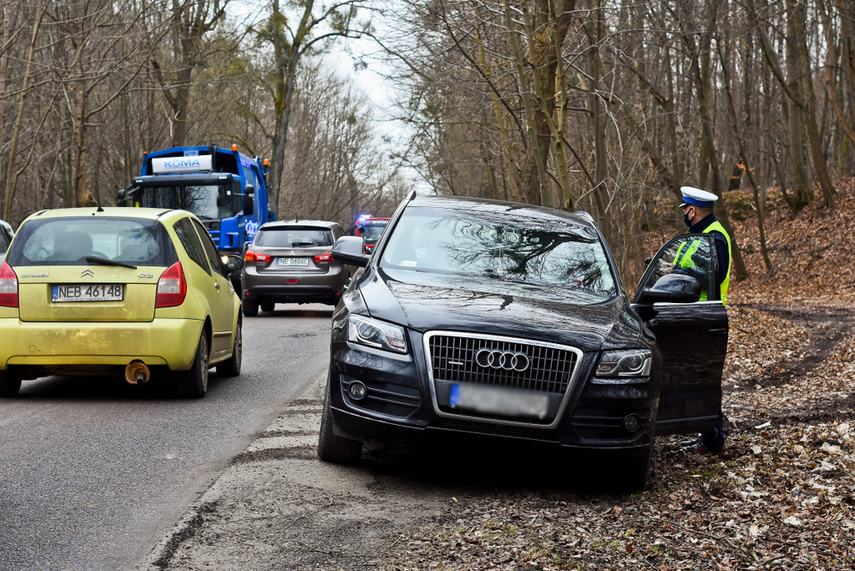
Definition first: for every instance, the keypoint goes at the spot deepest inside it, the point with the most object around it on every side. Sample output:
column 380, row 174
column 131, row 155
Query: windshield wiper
column 108, row 262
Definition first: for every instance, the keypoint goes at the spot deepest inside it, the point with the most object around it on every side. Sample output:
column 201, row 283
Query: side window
column 210, row 250
column 692, row 255
column 190, row 240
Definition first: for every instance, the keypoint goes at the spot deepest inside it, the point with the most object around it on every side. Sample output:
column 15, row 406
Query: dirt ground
column 781, row 495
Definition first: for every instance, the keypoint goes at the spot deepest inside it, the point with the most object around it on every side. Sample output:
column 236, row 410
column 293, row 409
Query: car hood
column 428, row 301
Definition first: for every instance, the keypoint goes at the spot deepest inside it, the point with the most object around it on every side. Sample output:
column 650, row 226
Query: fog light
column 357, row 390
column 631, row 423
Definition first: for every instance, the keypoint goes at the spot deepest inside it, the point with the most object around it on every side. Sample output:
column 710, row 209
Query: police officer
column 698, row 215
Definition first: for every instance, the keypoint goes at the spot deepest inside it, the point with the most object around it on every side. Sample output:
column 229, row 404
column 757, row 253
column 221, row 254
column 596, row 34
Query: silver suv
column 6, row 234
column 290, row 262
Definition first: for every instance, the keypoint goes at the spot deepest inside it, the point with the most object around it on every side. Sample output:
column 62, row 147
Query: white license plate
column 495, row 400
column 292, row 261
column 87, row 292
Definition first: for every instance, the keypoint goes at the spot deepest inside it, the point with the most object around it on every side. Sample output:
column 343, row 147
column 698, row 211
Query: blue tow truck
column 224, row 188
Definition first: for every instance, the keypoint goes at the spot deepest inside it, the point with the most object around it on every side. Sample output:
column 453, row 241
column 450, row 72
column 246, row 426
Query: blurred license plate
column 499, row 401
column 87, row 292
column 292, row 261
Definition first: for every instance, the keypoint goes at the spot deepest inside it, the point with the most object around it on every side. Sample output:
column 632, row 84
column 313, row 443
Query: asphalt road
column 93, row 472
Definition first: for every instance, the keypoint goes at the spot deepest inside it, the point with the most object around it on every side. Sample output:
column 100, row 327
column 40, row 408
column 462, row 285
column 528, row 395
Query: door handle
column 719, row 331
column 217, row 285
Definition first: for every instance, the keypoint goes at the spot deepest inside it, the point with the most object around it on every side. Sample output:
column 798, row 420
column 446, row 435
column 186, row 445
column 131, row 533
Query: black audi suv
column 498, row 320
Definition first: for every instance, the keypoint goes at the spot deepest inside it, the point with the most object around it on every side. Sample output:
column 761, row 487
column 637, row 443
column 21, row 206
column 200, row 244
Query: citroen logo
column 87, row 273
column 507, row 360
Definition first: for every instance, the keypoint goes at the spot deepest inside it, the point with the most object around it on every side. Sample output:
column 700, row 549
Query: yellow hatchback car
column 112, row 291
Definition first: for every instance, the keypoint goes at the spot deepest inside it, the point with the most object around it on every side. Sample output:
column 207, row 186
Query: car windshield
column 207, row 201
column 70, row 241
column 499, row 245
column 372, row 232
column 289, row 237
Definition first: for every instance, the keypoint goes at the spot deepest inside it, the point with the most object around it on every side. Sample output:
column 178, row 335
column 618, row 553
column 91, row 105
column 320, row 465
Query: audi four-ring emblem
column 507, row 360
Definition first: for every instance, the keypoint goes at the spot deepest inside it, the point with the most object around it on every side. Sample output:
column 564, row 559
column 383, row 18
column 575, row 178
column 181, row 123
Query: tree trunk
column 287, row 55
column 797, row 17
column 704, row 88
column 11, row 168
column 737, row 133
column 601, row 191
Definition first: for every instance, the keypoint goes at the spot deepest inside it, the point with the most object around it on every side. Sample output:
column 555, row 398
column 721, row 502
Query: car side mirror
column 246, row 204
column 233, row 263
column 672, row 288
column 349, row 250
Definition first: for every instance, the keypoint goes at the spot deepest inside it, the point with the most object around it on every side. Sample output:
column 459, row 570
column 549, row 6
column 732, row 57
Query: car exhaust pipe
column 136, row 373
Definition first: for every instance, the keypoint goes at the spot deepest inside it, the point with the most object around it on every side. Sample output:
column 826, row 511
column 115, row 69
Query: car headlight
column 375, row 333
column 625, row 363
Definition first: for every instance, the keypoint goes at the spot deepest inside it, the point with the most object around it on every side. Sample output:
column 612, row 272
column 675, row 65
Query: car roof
column 463, row 203
column 110, row 211
column 298, row 223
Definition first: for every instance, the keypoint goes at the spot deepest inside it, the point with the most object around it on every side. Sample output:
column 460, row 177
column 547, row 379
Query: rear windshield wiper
column 108, row 262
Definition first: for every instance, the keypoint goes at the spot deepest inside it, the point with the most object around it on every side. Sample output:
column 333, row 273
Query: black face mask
column 686, row 219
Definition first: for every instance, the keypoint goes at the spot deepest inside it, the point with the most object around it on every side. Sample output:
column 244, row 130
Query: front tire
column 10, row 384
column 332, row 448
column 231, row 366
column 194, row 383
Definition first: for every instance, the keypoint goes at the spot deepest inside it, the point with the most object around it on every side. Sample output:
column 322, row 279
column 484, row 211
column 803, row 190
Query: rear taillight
column 251, row 256
column 323, row 257
column 8, row 286
column 171, row 287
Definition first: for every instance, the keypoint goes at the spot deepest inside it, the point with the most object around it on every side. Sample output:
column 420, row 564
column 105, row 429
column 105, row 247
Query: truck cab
column 224, row 188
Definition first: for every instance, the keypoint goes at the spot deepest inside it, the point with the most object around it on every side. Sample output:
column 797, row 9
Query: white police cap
column 697, row 197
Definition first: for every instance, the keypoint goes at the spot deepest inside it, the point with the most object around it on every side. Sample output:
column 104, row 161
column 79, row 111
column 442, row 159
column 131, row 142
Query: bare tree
column 315, row 24
column 189, row 22
column 12, row 170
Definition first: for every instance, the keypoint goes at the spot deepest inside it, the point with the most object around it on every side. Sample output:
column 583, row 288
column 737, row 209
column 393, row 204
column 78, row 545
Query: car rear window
column 69, row 241
column 286, row 237
column 527, row 249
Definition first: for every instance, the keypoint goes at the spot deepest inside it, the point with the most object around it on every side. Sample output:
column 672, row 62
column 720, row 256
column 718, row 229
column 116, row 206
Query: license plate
column 292, row 261
column 87, row 292
column 495, row 400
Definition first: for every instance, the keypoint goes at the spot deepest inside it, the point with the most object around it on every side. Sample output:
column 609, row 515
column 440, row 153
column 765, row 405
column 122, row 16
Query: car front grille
column 498, row 362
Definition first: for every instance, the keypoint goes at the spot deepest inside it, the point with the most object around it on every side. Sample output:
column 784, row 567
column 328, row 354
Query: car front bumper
column 400, row 405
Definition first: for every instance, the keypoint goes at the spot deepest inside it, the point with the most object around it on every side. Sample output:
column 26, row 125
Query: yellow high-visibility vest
column 684, row 259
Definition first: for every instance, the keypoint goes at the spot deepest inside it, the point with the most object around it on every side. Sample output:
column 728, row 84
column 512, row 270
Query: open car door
column 679, row 300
